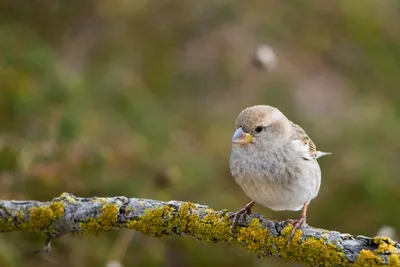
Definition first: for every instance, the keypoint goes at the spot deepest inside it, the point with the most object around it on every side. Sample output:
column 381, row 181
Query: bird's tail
column 321, row 154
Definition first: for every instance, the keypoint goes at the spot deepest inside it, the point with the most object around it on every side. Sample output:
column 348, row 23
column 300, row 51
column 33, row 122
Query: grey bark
column 315, row 247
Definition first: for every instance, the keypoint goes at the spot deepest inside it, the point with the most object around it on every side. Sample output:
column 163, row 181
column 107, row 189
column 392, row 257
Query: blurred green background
column 139, row 98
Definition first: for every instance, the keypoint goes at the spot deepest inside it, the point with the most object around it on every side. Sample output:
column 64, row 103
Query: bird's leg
column 300, row 221
column 241, row 213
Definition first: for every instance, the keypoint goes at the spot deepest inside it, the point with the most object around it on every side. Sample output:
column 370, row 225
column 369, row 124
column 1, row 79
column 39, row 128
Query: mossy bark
column 311, row 246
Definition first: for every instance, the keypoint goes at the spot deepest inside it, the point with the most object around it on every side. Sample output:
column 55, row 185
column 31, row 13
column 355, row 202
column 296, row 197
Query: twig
column 312, row 246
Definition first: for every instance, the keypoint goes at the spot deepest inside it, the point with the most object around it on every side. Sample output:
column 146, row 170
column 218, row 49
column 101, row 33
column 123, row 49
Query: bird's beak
column 240, row 137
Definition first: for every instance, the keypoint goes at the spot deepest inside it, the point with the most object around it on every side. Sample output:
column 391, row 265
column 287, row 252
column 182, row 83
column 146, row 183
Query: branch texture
column 311, row 246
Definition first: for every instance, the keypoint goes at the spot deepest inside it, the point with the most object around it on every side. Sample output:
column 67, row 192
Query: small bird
column 274, row 162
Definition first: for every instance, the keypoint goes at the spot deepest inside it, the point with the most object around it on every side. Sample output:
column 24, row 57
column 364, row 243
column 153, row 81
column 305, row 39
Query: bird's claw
column 298, row 223
column 241, row 213
column 237, row 215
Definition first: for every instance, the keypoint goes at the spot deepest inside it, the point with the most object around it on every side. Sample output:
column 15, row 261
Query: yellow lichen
column 315, row 250
column 394, row 260
column 212, row 226
column 109, row 214
column 184, row 214
column 385, row 244
column 252, row 237
column 38, row 218
column 58, row 209
column 368, row 258
column 208, row 225
column 163, row 221
column 156, row 222
column 385, row 247
column 104, row 222
column 101, row 200
column 19, row 214
column 42, row 217
column 7, row 225
column 310, row 250
column 67, row 197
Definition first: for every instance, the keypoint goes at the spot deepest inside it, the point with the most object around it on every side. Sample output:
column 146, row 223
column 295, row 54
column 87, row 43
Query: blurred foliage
column 138, row 98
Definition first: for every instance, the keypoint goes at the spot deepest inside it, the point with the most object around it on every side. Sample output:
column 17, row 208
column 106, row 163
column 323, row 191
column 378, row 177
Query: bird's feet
column 296, row 224
column 299, row 222
column 241, row 213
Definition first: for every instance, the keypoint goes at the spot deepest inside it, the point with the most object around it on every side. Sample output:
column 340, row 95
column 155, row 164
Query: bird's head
column 260, row 125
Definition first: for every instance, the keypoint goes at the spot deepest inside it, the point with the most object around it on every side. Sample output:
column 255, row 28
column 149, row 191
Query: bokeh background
column 139, row 98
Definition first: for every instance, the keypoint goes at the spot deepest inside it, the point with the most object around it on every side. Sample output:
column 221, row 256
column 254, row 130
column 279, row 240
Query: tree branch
column 312, row 246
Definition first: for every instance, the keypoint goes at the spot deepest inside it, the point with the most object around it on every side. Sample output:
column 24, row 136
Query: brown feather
column 306, row 139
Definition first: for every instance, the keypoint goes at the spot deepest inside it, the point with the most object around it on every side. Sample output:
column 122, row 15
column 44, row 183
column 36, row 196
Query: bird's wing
column 307, row 146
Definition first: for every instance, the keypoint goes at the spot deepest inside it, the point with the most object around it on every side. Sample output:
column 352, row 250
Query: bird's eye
column 259, row 129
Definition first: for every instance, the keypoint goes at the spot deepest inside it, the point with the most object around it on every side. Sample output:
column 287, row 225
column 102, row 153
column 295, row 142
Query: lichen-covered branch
column 312, row 246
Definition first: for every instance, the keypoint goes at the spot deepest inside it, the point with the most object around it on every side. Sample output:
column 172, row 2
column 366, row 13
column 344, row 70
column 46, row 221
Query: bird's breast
column 274, row 179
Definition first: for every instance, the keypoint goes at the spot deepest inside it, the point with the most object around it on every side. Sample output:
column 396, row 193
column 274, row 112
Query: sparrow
column 275, row 163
